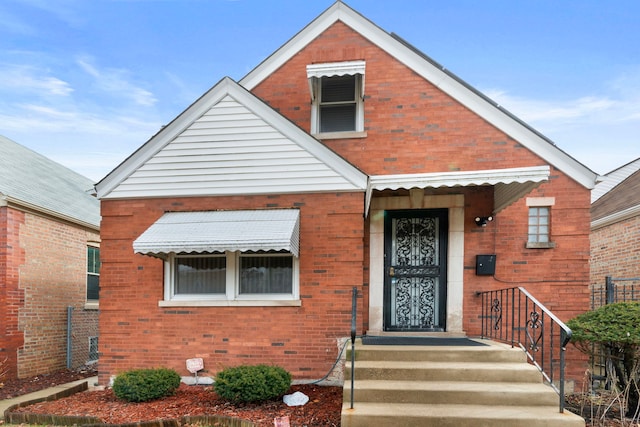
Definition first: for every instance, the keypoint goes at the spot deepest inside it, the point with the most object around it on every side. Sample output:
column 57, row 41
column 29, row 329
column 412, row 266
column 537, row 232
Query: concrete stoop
column 490, row 385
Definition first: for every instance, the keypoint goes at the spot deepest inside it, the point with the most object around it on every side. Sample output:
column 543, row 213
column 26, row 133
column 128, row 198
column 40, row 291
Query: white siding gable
column 235, row 147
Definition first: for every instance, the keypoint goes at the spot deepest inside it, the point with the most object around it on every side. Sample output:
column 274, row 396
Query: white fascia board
column 162, row 138
column 480, row 105
column 615, row 217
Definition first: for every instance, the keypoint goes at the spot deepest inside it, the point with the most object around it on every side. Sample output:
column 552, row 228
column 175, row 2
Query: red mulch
column 323, row 408
column 17, row 387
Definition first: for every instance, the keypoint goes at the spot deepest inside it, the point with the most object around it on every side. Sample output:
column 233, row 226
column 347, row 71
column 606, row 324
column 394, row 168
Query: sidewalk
column 43, row 394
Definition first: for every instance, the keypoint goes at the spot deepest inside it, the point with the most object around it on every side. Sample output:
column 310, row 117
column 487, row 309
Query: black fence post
column 609, row 290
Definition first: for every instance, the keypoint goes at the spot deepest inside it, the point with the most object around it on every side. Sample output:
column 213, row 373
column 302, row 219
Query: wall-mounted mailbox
column 485, row 265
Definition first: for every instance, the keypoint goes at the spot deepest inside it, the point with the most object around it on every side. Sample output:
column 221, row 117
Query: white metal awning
column 330, row 69
column 509, row 184
column 219, row 231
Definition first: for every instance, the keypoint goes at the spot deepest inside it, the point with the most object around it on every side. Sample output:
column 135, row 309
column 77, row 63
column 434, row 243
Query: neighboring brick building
column 49, row 225
column 346, row 159
column 615, row 225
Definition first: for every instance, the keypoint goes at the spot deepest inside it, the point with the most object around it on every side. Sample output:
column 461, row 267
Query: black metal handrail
column 514, row 316
column 354, row 306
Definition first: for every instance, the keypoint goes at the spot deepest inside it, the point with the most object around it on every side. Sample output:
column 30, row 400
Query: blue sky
column 86, row 82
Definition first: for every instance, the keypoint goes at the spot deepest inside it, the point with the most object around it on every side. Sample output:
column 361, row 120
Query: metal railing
column 615, row 289
column 514, row 316
column 354, row 306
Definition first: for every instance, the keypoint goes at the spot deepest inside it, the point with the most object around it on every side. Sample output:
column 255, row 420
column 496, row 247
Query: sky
column 87, row 82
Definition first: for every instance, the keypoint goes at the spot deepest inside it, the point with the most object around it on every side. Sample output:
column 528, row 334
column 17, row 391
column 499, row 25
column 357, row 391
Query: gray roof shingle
column 33, row 179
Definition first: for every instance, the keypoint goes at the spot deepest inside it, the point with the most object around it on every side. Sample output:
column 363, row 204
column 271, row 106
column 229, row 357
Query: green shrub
column 614, row 328
column 252, row 383
column 141, row 385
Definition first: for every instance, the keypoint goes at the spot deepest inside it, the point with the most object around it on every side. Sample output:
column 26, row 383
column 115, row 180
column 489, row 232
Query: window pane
column 93, row 260
column 338, row 89
column 200, row 275
column 338, row 118
column 266, row 275
column 93, row 286
column 93, row 348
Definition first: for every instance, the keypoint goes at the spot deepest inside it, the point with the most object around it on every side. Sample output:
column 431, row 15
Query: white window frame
column 91, row 304
column 315, row 74
column 232, row 296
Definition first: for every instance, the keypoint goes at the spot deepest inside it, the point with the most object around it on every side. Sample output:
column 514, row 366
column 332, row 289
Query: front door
column 415, row 270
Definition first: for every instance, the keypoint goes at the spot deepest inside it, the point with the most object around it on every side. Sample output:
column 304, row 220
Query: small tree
column 614, row 328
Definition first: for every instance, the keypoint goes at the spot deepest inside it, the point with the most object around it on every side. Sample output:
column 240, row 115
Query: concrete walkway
column 43, row 394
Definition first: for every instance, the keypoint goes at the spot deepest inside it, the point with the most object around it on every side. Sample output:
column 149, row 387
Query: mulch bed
column 323, row 408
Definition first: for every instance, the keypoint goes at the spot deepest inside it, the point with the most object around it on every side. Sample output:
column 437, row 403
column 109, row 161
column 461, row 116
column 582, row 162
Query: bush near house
column 614, row 329
column 141, row 385
column 252, row 383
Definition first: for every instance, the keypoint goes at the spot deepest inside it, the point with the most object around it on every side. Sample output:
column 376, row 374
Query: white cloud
column 601, row 131
column 115, row 82
column 32, row 80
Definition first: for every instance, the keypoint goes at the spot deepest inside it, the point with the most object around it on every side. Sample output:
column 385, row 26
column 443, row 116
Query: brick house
column 346, row 159
column 49, row 260
column 615, row 224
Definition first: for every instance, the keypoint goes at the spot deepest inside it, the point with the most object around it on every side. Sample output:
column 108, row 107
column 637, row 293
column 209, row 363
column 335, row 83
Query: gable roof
column 32, row 181
column 230, row 142
column 622, row 198
column 434, row 73
column 613, row 178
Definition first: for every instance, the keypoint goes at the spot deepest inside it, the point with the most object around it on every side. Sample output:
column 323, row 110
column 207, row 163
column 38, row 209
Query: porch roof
column 509, row 184
column 219, row 231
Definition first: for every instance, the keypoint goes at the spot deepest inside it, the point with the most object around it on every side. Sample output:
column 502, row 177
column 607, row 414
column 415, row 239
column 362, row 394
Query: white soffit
column 509, row 184
column 219, row 231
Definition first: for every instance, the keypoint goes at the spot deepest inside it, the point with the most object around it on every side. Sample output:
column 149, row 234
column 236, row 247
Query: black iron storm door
column 415, row 270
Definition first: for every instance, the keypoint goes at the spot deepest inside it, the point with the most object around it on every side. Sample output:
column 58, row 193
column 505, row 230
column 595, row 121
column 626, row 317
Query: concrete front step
column 444, row 371
column 491, row 385
column 366, row 414
column 492, row 352
column 443, row 392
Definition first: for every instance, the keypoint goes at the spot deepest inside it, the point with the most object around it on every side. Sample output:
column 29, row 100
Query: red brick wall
column 11, row 297
column 412, row 126
column 45, row 268
column 300, row 339
column 615, row 251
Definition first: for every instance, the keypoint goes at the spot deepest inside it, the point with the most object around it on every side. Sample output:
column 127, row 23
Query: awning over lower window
column 219, row 231
column 509, row 184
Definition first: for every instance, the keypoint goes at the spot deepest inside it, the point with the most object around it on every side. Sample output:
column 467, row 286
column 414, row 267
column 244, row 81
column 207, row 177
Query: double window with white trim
column 245, row 257
column 231, row 276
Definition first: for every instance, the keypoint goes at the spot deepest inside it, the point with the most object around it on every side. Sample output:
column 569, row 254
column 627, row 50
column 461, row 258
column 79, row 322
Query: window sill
column 340, row 135
column 540, row 245
column 92, row 305
column 231, row 303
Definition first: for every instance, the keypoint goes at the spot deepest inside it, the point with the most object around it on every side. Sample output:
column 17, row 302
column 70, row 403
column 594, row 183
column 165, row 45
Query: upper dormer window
column 337, row 91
